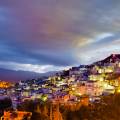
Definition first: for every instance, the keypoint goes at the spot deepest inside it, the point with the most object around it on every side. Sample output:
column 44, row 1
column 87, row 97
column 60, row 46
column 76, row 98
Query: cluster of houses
column 97, row 79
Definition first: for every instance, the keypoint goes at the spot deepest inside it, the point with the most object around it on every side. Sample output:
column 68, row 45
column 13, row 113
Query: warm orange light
column 20, row 115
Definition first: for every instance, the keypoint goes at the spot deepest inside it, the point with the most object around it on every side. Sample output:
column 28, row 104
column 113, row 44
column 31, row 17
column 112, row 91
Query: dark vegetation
column 107, row 109
column 5, row 104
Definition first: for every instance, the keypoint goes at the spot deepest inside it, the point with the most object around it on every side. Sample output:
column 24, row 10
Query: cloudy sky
column 48, row 35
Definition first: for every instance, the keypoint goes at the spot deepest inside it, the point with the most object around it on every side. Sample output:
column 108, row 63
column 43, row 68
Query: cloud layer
column 38, row 34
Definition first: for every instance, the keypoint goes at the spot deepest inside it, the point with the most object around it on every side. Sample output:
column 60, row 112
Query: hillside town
column 85, row 84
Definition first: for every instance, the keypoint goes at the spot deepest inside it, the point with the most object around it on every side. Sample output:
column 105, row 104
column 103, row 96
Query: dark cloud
column 51, row 32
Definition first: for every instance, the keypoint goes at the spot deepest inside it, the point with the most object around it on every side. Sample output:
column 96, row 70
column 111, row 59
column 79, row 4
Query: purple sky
column 48, row 35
